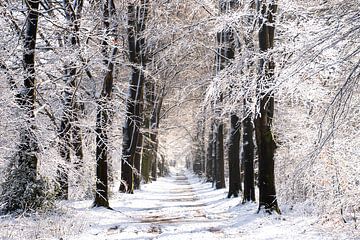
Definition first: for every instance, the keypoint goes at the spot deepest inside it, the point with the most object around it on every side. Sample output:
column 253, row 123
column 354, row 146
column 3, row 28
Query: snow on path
column 182, row 207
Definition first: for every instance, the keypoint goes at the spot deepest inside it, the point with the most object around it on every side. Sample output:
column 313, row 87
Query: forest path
column 177, row 208
column 181, row 206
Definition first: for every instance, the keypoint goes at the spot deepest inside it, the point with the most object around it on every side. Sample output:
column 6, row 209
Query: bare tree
column 263, row 121
column 69, row 131
column 104, row 111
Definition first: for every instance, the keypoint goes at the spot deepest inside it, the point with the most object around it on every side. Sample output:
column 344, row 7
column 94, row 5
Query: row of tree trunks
column 263, row 122
column 104, row 111
column 137, row 16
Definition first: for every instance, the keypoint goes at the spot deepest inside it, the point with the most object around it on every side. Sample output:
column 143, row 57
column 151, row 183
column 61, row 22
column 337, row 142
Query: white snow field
column 179, row 206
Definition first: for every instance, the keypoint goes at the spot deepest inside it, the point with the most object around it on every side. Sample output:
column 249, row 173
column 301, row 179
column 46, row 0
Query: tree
column 103, row 117
column 247, row 157
column 248, row 153
column 234, row 159
column 137, row 16
column 224, row 53
column 263, row 121
column 209, row 154
column 69, row 132
column 235, row 124
column 23, row 189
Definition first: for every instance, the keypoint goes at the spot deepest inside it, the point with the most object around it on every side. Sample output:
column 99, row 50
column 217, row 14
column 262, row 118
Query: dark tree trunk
column 154, row 157
column 155, row 121
column 234, row 162
column 146, row 159
column 137, row 16
column 147, row 147
column 219, row 157
column 247, row 158
column 248, row 154
column 263, row 122
column 210, row 158
column 209, row 155
column 235, row 126
column 28, row 143
column 137, row 162
column 103, row 118
column 224, row 54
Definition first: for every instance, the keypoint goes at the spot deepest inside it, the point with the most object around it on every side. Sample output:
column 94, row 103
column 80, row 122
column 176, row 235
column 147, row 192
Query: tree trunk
column 103, row 119
column 209, row 155
column 69, row 119
column 137, row 16
column 234, row 162
column 155, row 121
column 147, row 146
column 219, row 157
column 20, row 186
column 224, row 53
column 146, row 159
column 248, row 154
column 263, row 122
column 28, row 142
column 154, row 158
column 137, row 162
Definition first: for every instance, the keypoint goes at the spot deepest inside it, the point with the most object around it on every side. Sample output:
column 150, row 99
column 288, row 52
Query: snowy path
column 176, row 207
column 181, row 207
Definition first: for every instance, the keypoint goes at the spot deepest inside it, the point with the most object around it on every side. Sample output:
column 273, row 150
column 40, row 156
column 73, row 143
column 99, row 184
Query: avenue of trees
column 102, row 96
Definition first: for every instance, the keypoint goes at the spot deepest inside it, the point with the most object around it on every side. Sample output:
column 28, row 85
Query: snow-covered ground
column 176, row 207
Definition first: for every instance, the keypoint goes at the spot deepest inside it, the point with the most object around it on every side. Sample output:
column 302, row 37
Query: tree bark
column 224, row 54
column 248, row 154
column 103, row 117
column 234, row 161
column 209, row 155
column 137, row 162
column 147, row 146
column 137, row 16
column 263, row 122
column 219, row 156
column 28, row 141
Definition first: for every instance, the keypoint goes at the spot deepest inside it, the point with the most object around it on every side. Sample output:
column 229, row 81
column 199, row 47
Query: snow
column 180, row 206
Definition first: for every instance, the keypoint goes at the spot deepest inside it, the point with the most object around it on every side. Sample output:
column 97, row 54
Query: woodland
column 256, row 98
